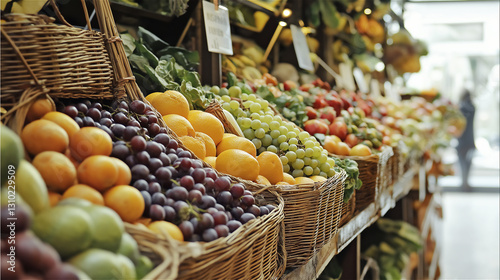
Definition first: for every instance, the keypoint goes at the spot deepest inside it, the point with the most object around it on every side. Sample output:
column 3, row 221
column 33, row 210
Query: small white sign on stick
column 217, row 29
column 301, row 48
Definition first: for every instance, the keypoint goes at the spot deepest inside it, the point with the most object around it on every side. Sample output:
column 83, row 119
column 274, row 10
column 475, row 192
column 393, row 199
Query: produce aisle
column 251, row 140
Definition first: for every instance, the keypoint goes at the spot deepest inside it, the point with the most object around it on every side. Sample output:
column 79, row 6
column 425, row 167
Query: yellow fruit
column 11, row 152
column 39, row 108
column 210, row 147
column 283, row 184
column 127, row 201
column 262, row 180
column 31, row 187
column 289, row 179
column 317, row 178
column 124, row 173
column 84, row 192
column 64, row 121
column 99, row 172
column 152, row 95
column 207, row 123
column 170, row 102
column 270, row 167
column 210, row 160
column 195, row 145
column 54, row 198
column 167, row 228
column 56, row 169
column 238, row 163
column 303, row 180
column 90, row 141
column 43, row 135
column 360, row 150
column 239, row 143
column 228, row 135
column 180, row 125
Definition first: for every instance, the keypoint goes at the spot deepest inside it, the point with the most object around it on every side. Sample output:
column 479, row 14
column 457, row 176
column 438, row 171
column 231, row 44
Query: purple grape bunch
column 175, row 186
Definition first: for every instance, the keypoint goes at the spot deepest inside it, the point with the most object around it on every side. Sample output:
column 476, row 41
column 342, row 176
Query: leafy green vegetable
column 128, row 43
column 352, row 182
column 151, row 40
column 144, row 52
column 329, row 13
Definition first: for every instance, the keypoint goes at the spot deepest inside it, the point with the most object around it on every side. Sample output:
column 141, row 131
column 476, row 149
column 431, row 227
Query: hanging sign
column 347, row 76
column 301, row 48
column 360, row 80
column 217, row 28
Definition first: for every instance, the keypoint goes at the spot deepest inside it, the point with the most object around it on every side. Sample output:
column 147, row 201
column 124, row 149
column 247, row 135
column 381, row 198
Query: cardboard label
column 217, row 29
column 347, row 77
column 301, row 48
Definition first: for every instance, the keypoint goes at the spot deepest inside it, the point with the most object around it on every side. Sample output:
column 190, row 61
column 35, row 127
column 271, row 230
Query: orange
column 333, row 138
column 152, row 95
column 64, row 121
column 127, row 201
column 124, row 173
column 99, row 172
column 166, row 228
column 207, row 123
column 56, row 169
column 239, row 143
column 90, row 141
column 262, row 180
column 342, row 149
column 84, row 192
column 210, row 160
column 54, row 198
column 228, row 135
column 178, row 124
column 304, row 180
column 195, row 145
column 289, row 179
column 170, row 102
column 75, row 162
column 270, row 167
column 360, row 150
column 210, row 148
column 317, row 178
column 238, row 163
column 331, row 142
column 39, row 108
column 43, row 135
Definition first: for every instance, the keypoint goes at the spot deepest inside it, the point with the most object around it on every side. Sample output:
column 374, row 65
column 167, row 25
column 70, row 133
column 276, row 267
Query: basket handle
column 63, row 20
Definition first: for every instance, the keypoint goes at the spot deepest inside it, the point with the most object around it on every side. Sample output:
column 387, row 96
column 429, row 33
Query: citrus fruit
column 31, row 186
column 152, row 95
column 360, row 150
column 64, row 121
column 317, row 178
column 99, row 172
column 270, row 167
column 303, row 180
column 342, row 149
column 210, row 160
column 179, row 124
column 289, row 179
column 238, row 163
column 166, row 228
column 39, row 108
column 170, row 102
column 127, row 201
column 330, row 145
column 207, row 123
column 84, row 192
column 56, row 169
column 102, row 264
column 239, row 143
column 228, row 135
column 90, row 141
column 11, row 151
column 210, row 147
column 129, row 248
column 43, row 135
column 108, row 228
column 68, row 229
column 262, row 180
column 75, row 162
column 195, row 145
column 54, row 198
column 124, row 173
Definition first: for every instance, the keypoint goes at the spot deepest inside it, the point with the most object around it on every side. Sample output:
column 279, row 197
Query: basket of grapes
column 310, row 187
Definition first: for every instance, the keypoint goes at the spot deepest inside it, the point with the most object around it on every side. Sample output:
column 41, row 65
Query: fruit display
column 168, row 8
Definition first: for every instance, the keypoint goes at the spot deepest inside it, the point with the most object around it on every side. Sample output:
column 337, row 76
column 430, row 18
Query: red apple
column 319, row 102
column 336, row 103
column 316, row 126
column 339, row 129
column 288, row 85
column 351, row 140
column 346, row 103
column 311, row 113
column 328, row 113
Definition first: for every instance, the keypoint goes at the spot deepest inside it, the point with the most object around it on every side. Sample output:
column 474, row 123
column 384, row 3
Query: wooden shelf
column 350, row 231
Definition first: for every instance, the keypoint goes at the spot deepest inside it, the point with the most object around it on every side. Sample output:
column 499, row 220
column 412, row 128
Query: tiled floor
column 470, row 236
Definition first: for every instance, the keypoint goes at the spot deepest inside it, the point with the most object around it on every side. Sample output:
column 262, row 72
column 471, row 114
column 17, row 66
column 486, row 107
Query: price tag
column 347, row 77
column 375, row 89
column 217, row 28
column 360, row 80
column 301, row 48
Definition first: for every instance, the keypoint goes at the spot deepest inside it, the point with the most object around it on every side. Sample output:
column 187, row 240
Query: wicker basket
column 347, row 211
column 312, row 212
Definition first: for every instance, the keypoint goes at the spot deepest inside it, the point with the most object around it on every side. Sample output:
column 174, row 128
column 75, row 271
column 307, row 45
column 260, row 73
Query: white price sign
column 217, row 29
column 301, row 48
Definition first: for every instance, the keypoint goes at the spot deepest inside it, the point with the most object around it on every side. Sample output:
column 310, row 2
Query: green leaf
column 155, row 77
column 313, row 14
column 128, row 43
column 143, row 51
column 138, row 62
column 152, row 41
column 329, row 13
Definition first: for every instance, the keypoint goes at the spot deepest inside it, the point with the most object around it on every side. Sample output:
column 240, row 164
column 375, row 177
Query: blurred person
column 466, row 147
